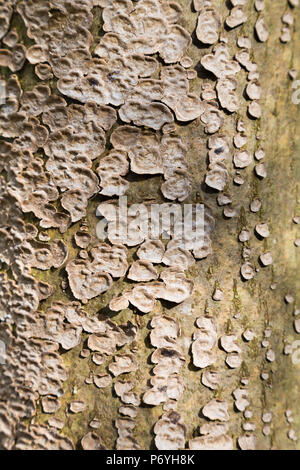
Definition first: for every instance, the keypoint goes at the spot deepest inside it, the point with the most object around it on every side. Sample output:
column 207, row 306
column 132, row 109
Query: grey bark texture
column 75, row 73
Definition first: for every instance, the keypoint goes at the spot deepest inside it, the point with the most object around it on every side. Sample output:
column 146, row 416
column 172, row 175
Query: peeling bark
column 134, row 344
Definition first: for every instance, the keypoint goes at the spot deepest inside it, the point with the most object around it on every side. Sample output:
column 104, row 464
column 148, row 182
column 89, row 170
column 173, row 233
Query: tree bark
column 267, row 375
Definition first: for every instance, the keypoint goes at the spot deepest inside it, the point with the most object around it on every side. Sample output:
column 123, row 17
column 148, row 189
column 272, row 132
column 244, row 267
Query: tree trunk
column 103, row 344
